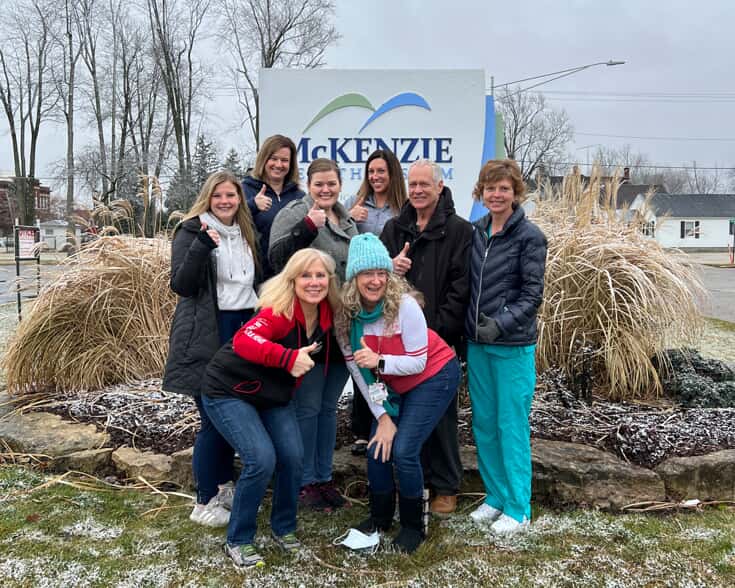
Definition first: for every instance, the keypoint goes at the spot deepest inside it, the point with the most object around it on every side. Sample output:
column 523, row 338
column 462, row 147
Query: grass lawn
column 62, row 535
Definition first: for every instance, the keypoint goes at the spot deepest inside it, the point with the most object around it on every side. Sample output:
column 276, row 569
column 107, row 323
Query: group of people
column 285, row 294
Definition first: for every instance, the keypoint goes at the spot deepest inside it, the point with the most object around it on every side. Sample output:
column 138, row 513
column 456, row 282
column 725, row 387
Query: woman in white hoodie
column 214, row 269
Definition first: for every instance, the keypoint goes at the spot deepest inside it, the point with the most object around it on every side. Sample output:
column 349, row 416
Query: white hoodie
column 235, row 266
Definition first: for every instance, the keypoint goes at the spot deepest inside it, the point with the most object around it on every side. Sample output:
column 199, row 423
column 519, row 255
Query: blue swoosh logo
column 405, row 99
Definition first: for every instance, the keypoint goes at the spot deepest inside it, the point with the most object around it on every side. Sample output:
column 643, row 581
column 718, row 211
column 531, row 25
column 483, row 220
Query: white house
column 689, row 221
column 53, row 233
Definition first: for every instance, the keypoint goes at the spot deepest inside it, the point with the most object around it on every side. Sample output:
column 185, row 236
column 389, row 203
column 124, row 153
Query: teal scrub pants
column 502, row 380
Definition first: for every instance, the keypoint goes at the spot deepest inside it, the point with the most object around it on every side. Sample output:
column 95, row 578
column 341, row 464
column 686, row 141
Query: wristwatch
column 381, row 365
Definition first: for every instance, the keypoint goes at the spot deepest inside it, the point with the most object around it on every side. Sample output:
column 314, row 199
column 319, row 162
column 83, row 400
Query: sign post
column 27, row 239
column 731, row 241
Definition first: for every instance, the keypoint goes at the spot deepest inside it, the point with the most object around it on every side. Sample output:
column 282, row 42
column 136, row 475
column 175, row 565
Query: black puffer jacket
column 439, row 268
column 194, row 335
column 507, row 282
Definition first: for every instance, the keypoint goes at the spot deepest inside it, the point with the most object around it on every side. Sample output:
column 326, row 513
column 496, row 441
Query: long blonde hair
column 278, row 293
column 242, row 217
column 351, row 303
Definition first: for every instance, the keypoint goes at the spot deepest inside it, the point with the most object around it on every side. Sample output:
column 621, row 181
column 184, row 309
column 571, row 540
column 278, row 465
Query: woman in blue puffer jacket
column 273, row 183
column 507, row 263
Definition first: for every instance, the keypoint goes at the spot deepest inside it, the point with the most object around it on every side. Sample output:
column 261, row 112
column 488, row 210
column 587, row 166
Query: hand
column 303, row 361
column 383, row 438
column 359, row 212
column 214, row 235
column 401, row 262
column 366, row 357
column 487, row 329
column 317, row 216
column 263, row 202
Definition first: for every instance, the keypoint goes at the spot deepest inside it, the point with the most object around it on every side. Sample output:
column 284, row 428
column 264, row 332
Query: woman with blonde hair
column 214, row 269
column 248, row 387
column 406, row 373
column 317, row 220
column 273, row 183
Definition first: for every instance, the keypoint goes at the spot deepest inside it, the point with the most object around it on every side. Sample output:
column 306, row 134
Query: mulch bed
column 141, row 415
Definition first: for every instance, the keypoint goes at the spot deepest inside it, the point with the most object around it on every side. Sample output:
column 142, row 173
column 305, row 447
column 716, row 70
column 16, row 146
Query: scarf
column 357, row 329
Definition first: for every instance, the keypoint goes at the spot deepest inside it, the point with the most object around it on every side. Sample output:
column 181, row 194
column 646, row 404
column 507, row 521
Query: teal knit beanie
column 367, row 252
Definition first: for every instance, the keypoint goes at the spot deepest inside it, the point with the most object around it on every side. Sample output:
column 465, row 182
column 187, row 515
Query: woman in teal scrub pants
column 508, row 258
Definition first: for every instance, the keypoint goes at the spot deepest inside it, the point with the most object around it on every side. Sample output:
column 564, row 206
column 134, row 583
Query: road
column 27, row 280
column 720, row 283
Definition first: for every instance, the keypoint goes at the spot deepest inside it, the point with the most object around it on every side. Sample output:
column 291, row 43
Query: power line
column 655, row 138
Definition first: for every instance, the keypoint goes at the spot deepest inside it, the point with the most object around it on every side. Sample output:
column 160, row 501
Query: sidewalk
column 718, row 258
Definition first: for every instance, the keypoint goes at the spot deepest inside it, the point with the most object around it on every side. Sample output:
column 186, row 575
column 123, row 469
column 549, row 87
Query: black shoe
column 331, row 495
column 359, row 447
column 411, row 534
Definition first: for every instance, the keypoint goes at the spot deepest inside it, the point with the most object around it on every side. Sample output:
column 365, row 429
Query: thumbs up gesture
column 263, row 202
column 317, row 216
column 366, row 357
column 358, row 211
column 401, row 262
column 303, row 361
column 214, row 235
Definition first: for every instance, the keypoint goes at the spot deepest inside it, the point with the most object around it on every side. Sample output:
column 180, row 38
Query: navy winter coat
column 264, row 219
column 507, row 278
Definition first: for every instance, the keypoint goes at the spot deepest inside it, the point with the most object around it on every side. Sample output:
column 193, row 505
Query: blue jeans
column 420, row 411
column 267, row 441
column 316, row 411
column 212, row 457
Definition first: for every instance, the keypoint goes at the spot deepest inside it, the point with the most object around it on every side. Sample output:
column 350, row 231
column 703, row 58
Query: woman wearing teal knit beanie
column 406, row 373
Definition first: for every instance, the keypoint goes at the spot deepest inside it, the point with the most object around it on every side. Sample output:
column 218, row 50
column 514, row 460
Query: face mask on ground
column 358, row 541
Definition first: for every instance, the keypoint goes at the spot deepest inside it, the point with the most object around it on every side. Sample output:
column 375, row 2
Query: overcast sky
column 678, row 84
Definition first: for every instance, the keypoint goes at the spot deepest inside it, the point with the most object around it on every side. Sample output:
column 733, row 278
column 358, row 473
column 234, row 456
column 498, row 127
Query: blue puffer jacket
column 264, row 219
column 507, row 278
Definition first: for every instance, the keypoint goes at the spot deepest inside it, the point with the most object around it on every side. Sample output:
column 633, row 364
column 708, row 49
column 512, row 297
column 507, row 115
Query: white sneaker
column 485, row 514
column 211, row 514
column 506, row 525
column 226, row 495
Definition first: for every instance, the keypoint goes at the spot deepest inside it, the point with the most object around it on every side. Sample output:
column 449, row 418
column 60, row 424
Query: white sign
column 27, row 239
column 345, row 115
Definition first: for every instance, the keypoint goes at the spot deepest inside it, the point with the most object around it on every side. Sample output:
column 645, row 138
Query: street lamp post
column 554, row 75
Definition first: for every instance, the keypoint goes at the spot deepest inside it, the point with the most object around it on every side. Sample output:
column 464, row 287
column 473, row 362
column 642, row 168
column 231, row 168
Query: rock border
column 564, row 474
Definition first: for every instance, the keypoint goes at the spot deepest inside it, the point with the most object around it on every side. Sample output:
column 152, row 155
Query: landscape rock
column 41, row 433
column 90, row 461
column 154, row 467
column 706, row 477
column 569, row 473
column 181, row 472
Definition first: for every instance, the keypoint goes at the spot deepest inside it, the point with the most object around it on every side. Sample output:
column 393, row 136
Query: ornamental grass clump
column 614, row 298
column 105, row 319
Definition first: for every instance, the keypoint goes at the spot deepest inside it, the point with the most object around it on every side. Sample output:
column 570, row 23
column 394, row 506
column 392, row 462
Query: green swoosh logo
column 344, row 101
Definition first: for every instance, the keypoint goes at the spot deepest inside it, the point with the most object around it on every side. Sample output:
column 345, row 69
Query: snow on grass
column 93, row 529
column 42, row 572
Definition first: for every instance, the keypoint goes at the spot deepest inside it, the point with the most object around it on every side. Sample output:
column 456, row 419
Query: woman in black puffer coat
column 214, row 269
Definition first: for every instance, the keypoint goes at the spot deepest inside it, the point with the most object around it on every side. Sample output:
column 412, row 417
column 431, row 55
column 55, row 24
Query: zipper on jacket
column 482, row 270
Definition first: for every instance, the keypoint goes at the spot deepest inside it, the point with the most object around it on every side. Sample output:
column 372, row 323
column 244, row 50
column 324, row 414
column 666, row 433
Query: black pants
column 440, row 455
column 362, row 418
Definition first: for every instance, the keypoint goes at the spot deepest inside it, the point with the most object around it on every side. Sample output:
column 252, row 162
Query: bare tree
column 26, row 92
column 64, row 70
column 175, row 29
column 709, row 181
column 274, row 33
column 535, row 133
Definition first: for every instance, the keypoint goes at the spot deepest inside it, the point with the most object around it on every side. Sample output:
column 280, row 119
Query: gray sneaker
column 244, row 556
column 288, row 542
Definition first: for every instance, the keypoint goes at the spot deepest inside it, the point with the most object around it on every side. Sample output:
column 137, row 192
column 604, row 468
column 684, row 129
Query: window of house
column 649, row 229
column 689, row 229
column 48, row 232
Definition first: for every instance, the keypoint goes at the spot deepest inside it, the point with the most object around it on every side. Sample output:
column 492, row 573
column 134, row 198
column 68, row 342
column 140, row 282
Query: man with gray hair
column 430, row 244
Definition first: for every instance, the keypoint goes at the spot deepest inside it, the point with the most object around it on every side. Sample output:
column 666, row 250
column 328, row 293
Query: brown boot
column 443, row 506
